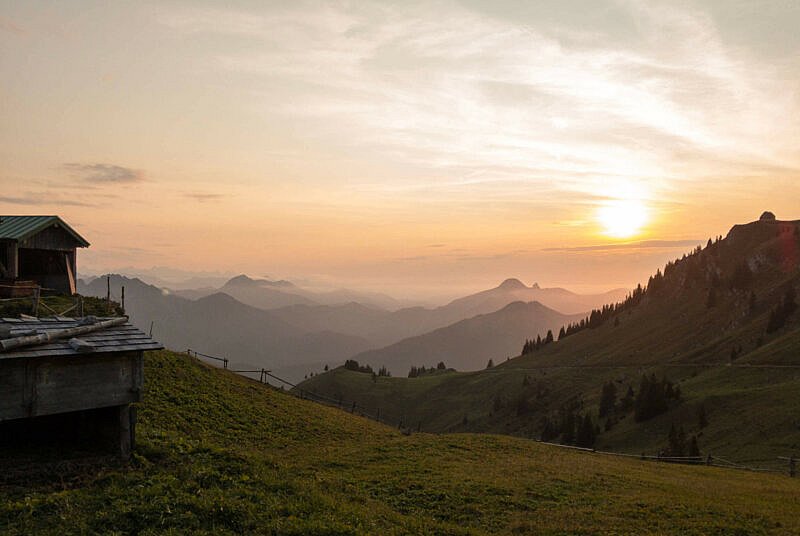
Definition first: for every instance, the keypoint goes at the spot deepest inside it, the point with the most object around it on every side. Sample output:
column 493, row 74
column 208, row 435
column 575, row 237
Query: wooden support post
column 353, row 409
column 133, row 420
column 709, row 460
column 13, row 261
column 792, row 467
column 125, row 443
column 36, row 294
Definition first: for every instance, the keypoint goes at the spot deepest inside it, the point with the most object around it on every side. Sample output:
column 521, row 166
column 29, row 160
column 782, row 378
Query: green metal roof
column 21, row 227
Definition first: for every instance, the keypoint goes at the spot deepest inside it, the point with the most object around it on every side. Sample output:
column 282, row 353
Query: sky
column 418, row 148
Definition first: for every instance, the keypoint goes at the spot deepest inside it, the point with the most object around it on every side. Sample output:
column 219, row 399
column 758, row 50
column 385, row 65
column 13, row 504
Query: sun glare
column 622, row 218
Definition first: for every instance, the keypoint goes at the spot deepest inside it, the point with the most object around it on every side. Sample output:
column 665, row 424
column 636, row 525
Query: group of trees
column 570, row 428
column 352, row 364
column 781, row 313
column 420, row 371
column 532, row 345
column 654, row 397
column 679, row 446
column 698, row 268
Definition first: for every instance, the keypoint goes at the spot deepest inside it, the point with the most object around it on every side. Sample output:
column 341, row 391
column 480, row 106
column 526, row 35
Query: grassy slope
column 220, row 454
column 753, row 413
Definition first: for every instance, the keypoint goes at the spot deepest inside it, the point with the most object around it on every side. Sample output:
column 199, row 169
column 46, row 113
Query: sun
column 622, row 218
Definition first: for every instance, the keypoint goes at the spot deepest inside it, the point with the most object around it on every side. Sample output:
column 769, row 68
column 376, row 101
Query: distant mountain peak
column 243, row 280
column 768, row 216
column 240, row 280
column 512, row 284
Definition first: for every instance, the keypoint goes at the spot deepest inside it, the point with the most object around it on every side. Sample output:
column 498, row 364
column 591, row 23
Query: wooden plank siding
column 53, row 238
column 41, row 386
column 50, row 387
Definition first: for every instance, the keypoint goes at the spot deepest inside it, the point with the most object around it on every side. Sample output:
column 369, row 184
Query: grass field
column 219, row 454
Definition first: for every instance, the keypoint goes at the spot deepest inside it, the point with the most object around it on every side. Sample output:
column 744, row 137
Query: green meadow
column 220, row 454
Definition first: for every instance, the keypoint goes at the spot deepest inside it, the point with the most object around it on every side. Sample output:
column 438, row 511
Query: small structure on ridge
column 68, row 381
column 37, row 252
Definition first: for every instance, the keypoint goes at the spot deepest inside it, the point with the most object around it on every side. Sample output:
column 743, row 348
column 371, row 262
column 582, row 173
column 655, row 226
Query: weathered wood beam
column 17, row 342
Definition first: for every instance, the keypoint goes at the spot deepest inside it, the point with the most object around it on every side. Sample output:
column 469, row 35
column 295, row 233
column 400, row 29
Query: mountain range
column 220, row 325
column 720, row 325
column 278, row 325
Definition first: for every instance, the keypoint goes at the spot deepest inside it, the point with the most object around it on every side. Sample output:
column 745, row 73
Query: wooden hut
column 37, row 251
column 61, row 378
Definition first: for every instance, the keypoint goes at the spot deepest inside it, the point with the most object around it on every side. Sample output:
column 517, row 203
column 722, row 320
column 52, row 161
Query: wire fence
column 783, row 465
column 265, row 375
column 39, row 304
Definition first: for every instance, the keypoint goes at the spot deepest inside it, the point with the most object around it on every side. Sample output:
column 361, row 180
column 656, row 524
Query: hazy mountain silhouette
column 268, row 294
column 383, row 328
column 468, row 344
column 221, row 325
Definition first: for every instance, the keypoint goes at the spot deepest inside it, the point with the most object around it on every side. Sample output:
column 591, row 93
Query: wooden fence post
column 792, row 467
column 709, row 460
column 378, row 416
column 36, row 294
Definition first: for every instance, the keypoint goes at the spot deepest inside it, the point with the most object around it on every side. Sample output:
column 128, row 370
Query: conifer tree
column 702, row 418
column 694, row 448
column 586, row 436
column 608, row 399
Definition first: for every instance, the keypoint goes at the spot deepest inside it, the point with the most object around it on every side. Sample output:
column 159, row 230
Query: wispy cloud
column 42, row 199
column 451, row 90
column 205, row 197
column 104, row 173
column 645, row 244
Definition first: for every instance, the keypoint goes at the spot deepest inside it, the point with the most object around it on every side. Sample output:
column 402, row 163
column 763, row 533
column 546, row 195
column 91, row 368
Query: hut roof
column 120, row 338
column 21, row 227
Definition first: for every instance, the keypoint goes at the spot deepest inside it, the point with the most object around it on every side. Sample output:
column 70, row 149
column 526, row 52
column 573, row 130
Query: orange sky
column 432, row 147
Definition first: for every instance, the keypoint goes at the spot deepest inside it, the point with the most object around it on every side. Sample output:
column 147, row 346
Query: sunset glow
column 379, row 144
column 622, row 218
